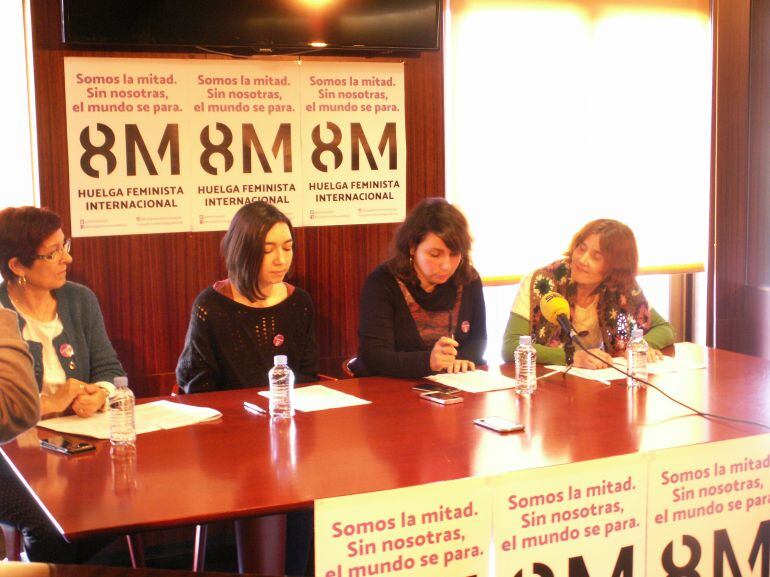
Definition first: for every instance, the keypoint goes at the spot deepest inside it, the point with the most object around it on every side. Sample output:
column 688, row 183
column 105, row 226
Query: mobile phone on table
column 434, row 388
column 66, row 446
column 442, row 398
column 499, row 424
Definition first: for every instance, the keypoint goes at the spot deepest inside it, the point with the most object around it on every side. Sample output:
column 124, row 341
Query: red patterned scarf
column 432, row 325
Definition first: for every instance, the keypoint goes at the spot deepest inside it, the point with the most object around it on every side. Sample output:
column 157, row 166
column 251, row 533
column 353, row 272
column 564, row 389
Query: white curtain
column 17, row 141
column 562, row 112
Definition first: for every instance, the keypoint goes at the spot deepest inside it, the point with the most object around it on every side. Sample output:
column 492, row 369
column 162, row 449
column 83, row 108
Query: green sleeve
column 661, row 333
column 517, row 326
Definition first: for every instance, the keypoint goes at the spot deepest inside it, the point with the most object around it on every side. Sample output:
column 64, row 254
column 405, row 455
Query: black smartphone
column 66, row 446
column 425, row 387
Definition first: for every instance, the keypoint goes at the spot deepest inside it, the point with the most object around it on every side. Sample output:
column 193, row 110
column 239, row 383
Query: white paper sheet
column 668, row 365
column 662, row 367
column 149, row 417
column 320, row 398
column 475, row 381
column 602, row 375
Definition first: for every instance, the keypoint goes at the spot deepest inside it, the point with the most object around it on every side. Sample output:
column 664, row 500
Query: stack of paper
column 153, row 416
column 475, row 381
column 320, row 398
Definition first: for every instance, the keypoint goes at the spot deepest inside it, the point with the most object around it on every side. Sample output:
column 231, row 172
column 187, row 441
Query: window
column 562, row 112
column 18, row 143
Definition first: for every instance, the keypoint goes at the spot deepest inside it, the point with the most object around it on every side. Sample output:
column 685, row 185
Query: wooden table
column 243, row 465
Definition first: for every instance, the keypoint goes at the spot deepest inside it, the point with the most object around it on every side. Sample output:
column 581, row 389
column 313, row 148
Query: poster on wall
column 353, row 143
column 168, row 145
column 125, row 147
column 244, row 135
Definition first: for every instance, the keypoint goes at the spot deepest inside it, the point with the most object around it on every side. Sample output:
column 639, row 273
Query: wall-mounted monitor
column 259, row 25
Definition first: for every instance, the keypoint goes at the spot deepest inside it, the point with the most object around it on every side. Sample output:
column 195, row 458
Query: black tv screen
column 262, row 25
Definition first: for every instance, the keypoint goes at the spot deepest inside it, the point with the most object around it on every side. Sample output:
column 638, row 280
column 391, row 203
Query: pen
column 255, row 409
column 450, row 330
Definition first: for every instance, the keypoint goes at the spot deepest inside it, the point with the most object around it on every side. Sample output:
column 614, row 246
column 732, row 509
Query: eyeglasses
column 58, row 253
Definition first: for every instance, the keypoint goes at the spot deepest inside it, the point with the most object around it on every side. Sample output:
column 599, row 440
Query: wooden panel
column 199, row 473
column 730, row 160
column 146, row 283
column 756, row 311
column 741, row 201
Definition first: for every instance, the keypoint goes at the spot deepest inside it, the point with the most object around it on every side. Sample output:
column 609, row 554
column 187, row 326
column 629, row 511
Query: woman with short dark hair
column 598, row 279
column 239, row 324
column 422, row 311
column 74, row 362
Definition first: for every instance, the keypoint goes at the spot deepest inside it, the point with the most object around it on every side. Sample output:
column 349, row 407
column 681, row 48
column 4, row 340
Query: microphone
column 555, row 309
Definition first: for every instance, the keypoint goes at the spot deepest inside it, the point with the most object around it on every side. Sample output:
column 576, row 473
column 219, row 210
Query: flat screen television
column 259, row 25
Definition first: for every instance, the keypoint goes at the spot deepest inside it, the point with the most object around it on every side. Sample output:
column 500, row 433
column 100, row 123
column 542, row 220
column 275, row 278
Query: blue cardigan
column 89, row 357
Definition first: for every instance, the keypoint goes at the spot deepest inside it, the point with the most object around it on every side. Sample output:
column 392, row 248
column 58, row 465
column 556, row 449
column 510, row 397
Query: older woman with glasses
column 74, row 362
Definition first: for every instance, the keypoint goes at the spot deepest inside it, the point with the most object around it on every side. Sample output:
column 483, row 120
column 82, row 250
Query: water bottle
column 121, row 413
column 281, row 389
column 526, row 363
column 636, row 358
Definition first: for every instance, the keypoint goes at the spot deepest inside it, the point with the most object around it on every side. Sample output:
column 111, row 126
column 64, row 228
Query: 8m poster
column 164, row 145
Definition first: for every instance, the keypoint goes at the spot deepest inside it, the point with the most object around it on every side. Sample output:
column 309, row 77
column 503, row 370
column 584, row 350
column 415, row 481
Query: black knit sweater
column 231, row 346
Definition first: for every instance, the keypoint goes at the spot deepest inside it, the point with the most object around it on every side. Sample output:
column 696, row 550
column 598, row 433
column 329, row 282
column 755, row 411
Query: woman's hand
column 583, row 360
column 654, row 355
column 443, row 355
column 90, row 399
column 62, row 399
column 461, row 366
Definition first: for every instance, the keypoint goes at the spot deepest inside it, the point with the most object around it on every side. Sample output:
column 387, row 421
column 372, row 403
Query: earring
column 411, row 261
column 21, row 281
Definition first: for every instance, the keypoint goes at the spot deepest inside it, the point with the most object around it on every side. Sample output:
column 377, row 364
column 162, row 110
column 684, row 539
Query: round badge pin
column 277, row 340
column 66, row 350
column 465, row 327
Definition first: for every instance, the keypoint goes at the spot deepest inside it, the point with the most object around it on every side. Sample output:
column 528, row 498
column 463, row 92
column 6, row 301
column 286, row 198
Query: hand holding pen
column 443, row 356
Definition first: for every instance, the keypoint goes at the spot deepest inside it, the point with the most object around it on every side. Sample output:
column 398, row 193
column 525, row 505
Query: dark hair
column 22, row 230
column 618, row 246
column 434, row 215
column 243, row 246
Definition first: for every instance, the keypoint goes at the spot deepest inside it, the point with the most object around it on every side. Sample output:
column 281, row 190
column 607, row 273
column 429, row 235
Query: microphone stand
column 569, row 353
column 570, row 335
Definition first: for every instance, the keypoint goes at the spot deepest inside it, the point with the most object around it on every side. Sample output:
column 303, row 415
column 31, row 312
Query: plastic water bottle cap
column 121, row 381
column 637, row 334
column 280, row 360
column 525, row 340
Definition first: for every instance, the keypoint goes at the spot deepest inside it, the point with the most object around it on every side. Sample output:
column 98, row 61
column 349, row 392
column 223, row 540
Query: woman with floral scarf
column 598, row 279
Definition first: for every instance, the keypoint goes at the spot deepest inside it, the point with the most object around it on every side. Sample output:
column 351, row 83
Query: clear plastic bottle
column 121, row 413
column 525, row 357
column 281, row 389
column 636, row 358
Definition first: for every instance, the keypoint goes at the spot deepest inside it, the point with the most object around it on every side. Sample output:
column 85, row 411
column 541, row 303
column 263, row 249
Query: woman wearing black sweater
column 422, row 311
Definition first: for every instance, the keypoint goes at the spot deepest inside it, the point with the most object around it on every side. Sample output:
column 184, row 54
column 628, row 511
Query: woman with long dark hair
column 422, row 311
